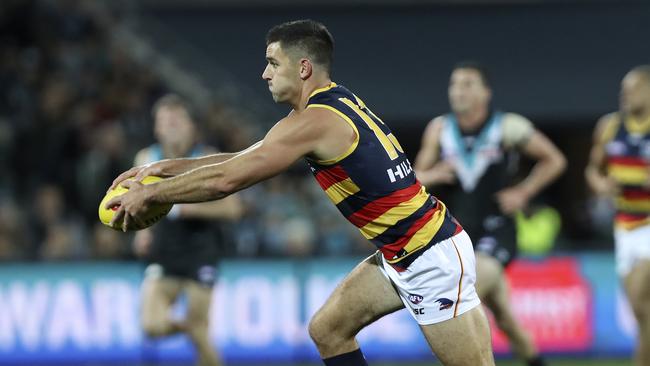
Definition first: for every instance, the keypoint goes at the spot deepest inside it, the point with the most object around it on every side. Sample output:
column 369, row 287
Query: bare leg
column 197, row 323
column 461, row 341
column 364, row 296
column 638, row 292
column 493, row 291
column 158, row 295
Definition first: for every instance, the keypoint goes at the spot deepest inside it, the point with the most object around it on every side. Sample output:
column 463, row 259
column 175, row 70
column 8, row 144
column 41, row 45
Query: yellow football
column 154, row 214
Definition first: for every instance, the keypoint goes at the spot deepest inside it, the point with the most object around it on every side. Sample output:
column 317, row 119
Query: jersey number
column 389, row 142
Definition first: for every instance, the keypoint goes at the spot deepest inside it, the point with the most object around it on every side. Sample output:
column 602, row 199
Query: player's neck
column 641, row 115
column 310, row 85
column 473, row 119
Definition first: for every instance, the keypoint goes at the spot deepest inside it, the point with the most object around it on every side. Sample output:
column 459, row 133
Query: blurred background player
column 470, row 156
column 619, row 168
column 183, row 249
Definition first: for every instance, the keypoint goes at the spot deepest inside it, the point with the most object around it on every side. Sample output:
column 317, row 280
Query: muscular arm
column 230, row 208
column 550, row 163
column 317, row 133
column 173, row 167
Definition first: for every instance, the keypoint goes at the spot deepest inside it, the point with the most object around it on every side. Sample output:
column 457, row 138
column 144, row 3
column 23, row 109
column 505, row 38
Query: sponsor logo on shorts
column 444, row 303
column 416, row 299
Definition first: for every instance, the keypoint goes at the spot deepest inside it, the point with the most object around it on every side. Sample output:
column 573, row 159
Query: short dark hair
column 308, row 37
column 478, row 67
column 172, row 101
column 643, row 70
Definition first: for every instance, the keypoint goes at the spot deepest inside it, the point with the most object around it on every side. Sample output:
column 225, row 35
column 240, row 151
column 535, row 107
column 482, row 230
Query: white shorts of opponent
column 439, row 284
column 631, row 246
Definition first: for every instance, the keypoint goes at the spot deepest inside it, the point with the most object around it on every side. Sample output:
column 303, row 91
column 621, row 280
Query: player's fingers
column 127, row 184
column 113, row 203
column 120, row 178
column 127, row 222
column 117, row 217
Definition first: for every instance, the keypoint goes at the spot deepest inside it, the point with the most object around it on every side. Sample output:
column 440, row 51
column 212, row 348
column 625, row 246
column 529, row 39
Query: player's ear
column 306, row 69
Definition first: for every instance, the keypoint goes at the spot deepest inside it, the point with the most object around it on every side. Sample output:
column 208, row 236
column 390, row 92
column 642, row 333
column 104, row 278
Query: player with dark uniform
column 182, row 250
column 470, row 157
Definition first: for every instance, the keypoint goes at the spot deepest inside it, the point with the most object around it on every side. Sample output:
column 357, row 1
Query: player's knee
column 641, row 309
column 321, row 330
column 316, row 329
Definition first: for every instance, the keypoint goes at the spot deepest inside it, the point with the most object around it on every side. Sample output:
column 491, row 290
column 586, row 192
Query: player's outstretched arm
column 174, row 167
column 312, row 132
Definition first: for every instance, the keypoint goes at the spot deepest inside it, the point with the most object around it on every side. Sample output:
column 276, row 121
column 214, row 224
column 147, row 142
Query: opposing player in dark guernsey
column 470, row 158
column 424, row 261
column 183, row 249
column 619, row 169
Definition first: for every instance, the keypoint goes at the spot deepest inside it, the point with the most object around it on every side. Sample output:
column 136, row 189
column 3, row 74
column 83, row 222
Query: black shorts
column 497, row 238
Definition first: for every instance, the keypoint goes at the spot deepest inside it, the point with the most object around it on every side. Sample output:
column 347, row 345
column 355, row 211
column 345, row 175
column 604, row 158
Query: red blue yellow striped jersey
column 374, row 186
column 628, row 162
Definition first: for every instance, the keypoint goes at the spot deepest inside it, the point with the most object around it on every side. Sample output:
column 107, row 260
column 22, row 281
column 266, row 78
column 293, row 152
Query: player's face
column 635, row 93
column 174, row 126
column 467, row 91
column 282, row 74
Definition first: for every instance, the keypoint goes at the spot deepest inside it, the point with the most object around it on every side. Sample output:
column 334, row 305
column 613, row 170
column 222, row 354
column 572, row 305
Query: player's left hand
column 512, row 199
column 132, row 205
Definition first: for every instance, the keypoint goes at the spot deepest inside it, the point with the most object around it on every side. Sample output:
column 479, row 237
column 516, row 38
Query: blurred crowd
column 74, row 110
column 75, row 107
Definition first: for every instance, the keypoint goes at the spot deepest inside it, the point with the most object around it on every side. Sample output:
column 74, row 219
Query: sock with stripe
column 354, row 358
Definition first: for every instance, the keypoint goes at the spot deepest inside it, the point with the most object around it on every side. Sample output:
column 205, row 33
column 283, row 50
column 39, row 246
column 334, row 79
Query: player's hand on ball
column 132, row 205
column 127, row 207
column 139, row 172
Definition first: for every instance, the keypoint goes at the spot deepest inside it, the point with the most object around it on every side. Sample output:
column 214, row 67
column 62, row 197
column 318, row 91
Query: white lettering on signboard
column 253, row 312
column 114, row 313
column 22, row 314
column 68, row 317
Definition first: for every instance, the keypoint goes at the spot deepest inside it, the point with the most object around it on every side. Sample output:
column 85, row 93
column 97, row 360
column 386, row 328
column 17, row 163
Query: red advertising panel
column 553, row 302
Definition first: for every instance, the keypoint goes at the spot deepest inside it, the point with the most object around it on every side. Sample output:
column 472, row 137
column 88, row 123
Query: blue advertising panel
column 260, row 311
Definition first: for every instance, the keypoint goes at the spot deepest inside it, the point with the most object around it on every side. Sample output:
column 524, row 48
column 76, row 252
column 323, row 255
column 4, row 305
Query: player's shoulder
column 512, row 118
column 609, row 118
column 607, row 125
column 143, row 156
column 435, row 124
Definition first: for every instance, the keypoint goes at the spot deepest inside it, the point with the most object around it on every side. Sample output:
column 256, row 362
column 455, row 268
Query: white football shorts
column 631, row 246
column 439, row 284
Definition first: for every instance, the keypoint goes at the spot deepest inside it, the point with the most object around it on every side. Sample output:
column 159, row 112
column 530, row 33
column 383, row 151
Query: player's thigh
column 364, row 296
column 199, row 298
column 461, row 341
column 489, row 272
column 637, row 288
column 158, row 294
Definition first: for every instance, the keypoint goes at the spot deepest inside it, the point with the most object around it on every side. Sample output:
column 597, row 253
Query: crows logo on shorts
column 444, row 303
column 416, row 299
